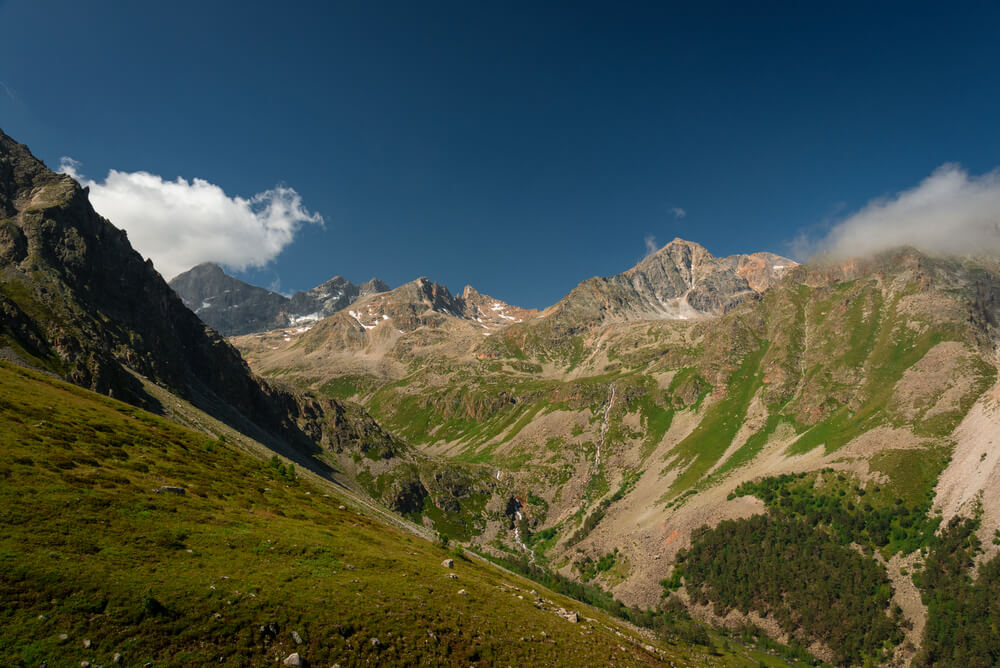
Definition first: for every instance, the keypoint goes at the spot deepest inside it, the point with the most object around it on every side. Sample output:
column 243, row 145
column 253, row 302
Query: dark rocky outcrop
column 233, row 307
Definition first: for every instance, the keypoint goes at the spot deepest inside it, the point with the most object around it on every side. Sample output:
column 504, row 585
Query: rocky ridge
column 77, row 300
column 233, row 307
column 681, row 281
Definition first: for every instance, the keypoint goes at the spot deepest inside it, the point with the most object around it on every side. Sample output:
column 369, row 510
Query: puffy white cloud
column 678, row 212
column 181, row 223
column 948, row 213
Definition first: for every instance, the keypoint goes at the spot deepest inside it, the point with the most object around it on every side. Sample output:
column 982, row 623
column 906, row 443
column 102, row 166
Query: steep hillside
column 232, row 307
column 128, row 539
column 612, row 446
column 78, row 301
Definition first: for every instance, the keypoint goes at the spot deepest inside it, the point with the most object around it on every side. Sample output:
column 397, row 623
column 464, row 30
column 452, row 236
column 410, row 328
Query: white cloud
column 181, row 223
column 678, row 212
column 949, row 213
column 651, row 246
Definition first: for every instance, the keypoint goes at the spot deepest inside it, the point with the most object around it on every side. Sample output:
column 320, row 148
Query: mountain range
column 232, row 307
column 847, row 403
column 681, row 281
column 756, row 460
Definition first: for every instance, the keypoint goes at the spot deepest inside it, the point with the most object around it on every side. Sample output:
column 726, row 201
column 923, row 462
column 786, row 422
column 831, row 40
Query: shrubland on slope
column 628, row 425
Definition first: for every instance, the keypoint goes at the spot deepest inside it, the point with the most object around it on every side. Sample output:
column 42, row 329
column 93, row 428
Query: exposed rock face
column 78, row 300
column 229, row 305
column 491, row 313
column 681, row 281
column 382, row 317
column 233, row 307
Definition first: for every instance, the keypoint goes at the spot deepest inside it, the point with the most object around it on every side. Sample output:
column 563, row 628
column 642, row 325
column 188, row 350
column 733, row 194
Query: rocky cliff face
column 77, row 299
column 681, row 281
column 228, row 305
column 492, row 313
column 326, row 299
column 233, row 307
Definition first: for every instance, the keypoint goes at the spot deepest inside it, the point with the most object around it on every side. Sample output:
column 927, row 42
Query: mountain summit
column 681, row 281
column 233, row 307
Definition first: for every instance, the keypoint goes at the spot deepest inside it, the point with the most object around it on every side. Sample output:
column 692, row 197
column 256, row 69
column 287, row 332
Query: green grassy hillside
column 100, row 555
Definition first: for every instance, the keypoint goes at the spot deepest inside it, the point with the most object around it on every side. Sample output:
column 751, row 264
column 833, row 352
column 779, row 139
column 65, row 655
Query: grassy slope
column 90, row 551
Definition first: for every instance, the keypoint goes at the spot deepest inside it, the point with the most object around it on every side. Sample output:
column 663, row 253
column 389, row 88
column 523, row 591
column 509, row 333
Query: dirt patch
column 973, row 475
column 736, row 619
column 880, row 439
column 935, row 384
column 906, row 596
column 663, row 380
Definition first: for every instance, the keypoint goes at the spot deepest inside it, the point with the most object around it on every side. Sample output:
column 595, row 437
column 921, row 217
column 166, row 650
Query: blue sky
column 518, row 147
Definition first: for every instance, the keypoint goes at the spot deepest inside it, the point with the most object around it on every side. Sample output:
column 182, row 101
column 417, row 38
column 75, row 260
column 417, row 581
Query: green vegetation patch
column 588, row 568
column 346, row 387
column 810, row 584
column 697, row 453
column 896, row 348
column 871, row 517
column 963, row 615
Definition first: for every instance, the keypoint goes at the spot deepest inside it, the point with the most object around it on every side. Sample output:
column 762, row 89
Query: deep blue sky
column 517, row 147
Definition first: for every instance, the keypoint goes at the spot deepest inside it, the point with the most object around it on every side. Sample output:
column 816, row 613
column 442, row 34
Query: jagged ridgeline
column 232, row 307
column 854, row 401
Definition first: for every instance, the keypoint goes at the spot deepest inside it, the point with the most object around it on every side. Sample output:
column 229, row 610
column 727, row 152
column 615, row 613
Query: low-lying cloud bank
column 949, row 213
column 181, row 223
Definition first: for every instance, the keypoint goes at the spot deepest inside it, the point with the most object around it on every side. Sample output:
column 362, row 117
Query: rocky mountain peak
column 206, row 270
column 233, row 307
column 490, row 312
column 681, row 281
column 373, row 286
